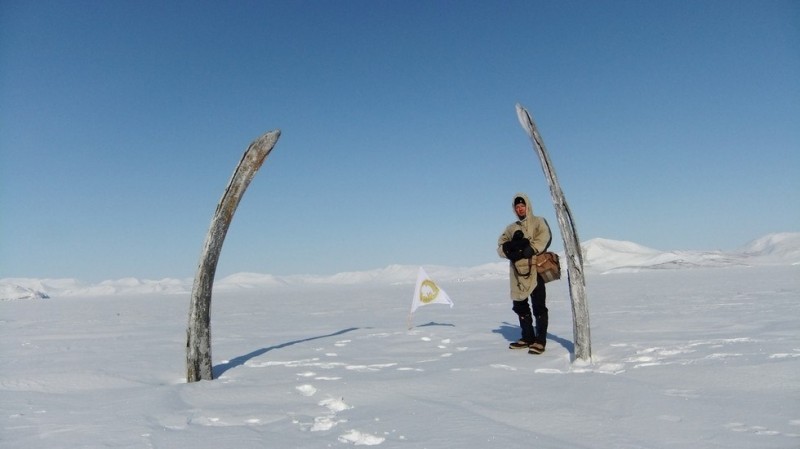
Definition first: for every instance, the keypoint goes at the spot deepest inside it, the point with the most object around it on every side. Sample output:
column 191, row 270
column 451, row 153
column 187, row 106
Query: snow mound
column 619, row 256
column 137, row 286
column 248, row 280
column 613, row 253
column 10, row 292
column 391, row 274
column 784, row 246
column 26, row 288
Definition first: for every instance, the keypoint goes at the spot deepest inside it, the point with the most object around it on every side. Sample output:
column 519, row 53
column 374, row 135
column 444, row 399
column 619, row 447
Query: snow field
column 702, row 357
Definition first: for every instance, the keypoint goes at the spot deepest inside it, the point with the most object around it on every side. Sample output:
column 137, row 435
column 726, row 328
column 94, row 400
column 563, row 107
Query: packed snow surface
column 704, row 354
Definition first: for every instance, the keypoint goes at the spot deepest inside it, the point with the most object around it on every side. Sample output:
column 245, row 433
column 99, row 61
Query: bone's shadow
column 220, row 369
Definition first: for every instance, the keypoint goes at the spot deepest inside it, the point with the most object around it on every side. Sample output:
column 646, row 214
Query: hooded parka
column 537, row 231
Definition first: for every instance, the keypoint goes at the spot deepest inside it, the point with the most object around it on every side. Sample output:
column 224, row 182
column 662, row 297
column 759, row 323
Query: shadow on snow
column 218, row 370
column 511, row 333
column 433, row 323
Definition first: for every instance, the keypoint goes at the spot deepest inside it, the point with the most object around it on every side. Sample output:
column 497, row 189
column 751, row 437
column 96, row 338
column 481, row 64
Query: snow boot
column 519, row 344
column 536, row 348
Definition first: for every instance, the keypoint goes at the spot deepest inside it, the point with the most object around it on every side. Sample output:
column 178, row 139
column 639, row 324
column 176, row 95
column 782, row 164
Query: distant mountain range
column 608, row 256
column 600, row 256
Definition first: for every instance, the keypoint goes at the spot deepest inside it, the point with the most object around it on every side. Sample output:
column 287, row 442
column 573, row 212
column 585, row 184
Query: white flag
column 427, row 292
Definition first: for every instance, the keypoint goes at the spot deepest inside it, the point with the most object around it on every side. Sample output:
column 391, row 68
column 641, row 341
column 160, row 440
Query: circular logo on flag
column 428, row 291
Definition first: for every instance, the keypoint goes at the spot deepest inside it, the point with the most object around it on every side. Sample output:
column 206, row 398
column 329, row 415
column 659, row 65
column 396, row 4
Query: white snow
column 705, row 354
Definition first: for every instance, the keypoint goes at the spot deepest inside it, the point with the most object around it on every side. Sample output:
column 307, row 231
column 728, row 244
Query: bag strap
column 549, row 231
column 530, row 268
column 546, row 257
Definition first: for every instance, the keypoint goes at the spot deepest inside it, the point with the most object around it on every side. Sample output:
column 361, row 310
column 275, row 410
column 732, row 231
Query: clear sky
column 672, row 124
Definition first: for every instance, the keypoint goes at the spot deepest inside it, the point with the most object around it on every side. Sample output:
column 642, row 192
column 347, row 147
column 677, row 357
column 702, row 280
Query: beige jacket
column 537, row 231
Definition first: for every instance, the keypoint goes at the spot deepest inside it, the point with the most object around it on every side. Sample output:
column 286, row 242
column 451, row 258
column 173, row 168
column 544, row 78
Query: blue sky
column 670, row 124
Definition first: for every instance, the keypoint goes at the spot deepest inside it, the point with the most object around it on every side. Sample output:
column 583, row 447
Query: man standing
column 519, row 243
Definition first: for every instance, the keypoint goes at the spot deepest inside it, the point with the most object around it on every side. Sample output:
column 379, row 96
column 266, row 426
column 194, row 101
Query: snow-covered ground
column 705, row 354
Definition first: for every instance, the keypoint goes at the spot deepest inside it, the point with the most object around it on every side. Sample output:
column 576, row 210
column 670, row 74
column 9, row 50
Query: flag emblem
column 428, row 291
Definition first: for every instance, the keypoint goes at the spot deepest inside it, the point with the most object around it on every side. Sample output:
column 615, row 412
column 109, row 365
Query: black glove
column 528, row 251
column 512, row 254
column 518, row 247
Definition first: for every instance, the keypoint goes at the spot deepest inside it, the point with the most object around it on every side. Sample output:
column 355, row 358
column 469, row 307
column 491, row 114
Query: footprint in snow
column 784, row 355
column 501, row 366
column 758, row 430
column 670, row 418
column 369, row 368
column 322, row 423
column 685, row 394
column 334, row 405
column 306, row 390
column 361, row 438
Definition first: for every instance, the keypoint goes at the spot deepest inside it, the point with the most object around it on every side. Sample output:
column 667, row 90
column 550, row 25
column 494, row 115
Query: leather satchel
column 548, row 266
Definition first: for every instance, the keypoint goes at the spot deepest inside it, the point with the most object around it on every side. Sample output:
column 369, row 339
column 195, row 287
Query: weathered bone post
column 198, row 332
column 572, row 245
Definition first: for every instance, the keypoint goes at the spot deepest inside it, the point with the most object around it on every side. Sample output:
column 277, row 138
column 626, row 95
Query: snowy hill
column 600, row 256
column 778, row 247
column 608, row 256
column 14, row 291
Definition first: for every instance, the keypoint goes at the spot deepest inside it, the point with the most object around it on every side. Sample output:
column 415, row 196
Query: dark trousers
column 538, row 307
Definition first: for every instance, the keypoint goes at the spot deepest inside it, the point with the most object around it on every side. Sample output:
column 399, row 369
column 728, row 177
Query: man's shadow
column 511, row 333
column 218, row 370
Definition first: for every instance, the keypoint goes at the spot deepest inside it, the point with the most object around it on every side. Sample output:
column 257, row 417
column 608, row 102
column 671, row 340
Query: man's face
column 521, row 210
